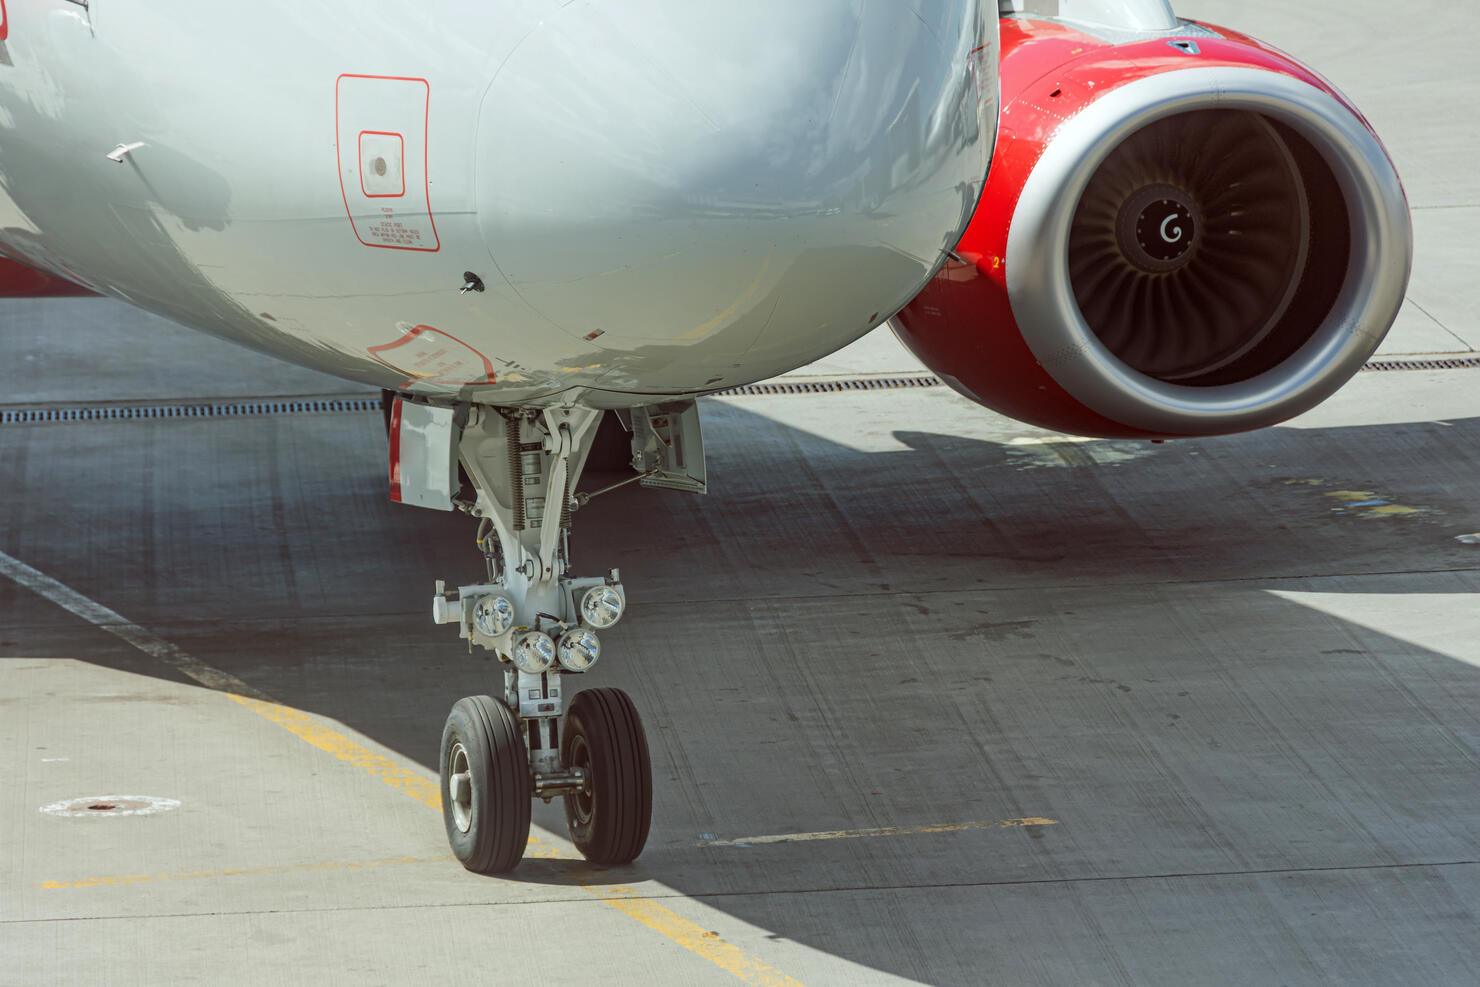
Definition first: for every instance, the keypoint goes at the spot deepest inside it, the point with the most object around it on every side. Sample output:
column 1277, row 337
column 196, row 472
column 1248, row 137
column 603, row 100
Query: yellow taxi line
column 854, row 834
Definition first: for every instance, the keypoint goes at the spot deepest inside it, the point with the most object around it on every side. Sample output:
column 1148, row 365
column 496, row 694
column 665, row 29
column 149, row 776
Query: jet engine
column 1180, row 235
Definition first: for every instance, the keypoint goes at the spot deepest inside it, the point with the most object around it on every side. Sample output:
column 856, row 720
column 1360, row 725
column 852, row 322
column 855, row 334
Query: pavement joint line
column 1052, row 587
column 196, row 875
column 537, row 850
column 822, row 597
column 114, row 623
column 1457, row 337
column 854, row 834
column 627, row 901
column 774, row 892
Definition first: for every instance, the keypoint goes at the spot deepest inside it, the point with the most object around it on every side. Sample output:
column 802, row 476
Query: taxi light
column 534, row 652
column 579, row 649
column 602, row 606
column 493, row 615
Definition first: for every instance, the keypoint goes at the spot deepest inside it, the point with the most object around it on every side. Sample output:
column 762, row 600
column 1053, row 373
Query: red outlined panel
column 434, row 356
column 385, row 111
column 382, row 164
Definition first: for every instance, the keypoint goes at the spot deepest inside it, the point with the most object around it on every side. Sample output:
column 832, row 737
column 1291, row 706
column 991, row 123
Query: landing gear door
column 423, row 453
column 668, row 443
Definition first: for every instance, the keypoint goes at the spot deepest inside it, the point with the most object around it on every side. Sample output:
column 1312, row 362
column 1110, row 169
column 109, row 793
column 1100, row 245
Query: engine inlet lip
column 1042, row 295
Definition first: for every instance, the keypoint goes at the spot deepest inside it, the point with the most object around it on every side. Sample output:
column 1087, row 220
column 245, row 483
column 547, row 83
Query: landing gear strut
column 542, row 624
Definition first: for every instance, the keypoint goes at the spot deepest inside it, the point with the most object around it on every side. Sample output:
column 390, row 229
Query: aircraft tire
column 487, row 820
column 603, row 736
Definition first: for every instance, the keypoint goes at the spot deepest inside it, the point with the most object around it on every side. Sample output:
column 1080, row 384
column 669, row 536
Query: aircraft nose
column 766, row 177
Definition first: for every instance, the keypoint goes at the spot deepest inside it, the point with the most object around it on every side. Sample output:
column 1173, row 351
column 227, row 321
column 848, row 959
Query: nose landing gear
column 515, row 469
column 542, row 625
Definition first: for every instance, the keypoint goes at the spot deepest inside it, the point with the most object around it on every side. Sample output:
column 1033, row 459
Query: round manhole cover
column 111, row 805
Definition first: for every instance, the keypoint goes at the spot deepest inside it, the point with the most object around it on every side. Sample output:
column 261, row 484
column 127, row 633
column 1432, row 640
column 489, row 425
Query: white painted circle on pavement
column 111, row 805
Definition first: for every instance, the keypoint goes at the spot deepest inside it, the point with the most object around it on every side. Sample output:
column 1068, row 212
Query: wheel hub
column 580, row 759
column 460, row 788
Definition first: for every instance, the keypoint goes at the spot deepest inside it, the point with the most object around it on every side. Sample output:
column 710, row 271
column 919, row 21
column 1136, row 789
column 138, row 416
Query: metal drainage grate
column 1454, row 363
column 203, row 409
column 930, row 380
column 331, row 405
column 829, row 386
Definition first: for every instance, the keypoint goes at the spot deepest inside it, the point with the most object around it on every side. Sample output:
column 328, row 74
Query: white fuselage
column 658, row 197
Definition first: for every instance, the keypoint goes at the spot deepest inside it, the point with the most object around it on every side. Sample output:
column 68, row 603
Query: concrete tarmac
column 931, row 695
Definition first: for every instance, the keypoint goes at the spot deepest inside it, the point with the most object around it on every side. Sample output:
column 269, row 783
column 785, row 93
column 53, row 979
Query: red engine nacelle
column 1177, row 237
column 19, row 281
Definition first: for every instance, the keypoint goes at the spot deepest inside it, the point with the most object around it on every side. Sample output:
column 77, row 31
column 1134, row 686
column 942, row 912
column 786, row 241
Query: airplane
column 522, row 219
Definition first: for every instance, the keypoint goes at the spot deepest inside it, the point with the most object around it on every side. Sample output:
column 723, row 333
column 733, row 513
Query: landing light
column 534, row 652
column 602, row 606
column 493, row 615
column 579, row 649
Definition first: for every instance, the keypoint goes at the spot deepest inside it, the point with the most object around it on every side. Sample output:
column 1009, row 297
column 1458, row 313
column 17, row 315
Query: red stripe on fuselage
column 19, row 281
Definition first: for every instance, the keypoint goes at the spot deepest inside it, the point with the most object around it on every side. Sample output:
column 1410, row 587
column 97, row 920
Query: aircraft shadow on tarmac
column 1138, row 642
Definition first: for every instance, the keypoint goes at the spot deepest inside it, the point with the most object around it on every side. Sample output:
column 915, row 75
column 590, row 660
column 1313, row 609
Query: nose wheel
column 487, row 782
column 603, row 738
column 485, row 785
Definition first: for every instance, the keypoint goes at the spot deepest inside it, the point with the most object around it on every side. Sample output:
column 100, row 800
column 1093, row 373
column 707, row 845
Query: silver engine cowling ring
column 1042, row 296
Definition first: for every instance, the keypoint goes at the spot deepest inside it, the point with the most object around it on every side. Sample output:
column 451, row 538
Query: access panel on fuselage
column 382, row 148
